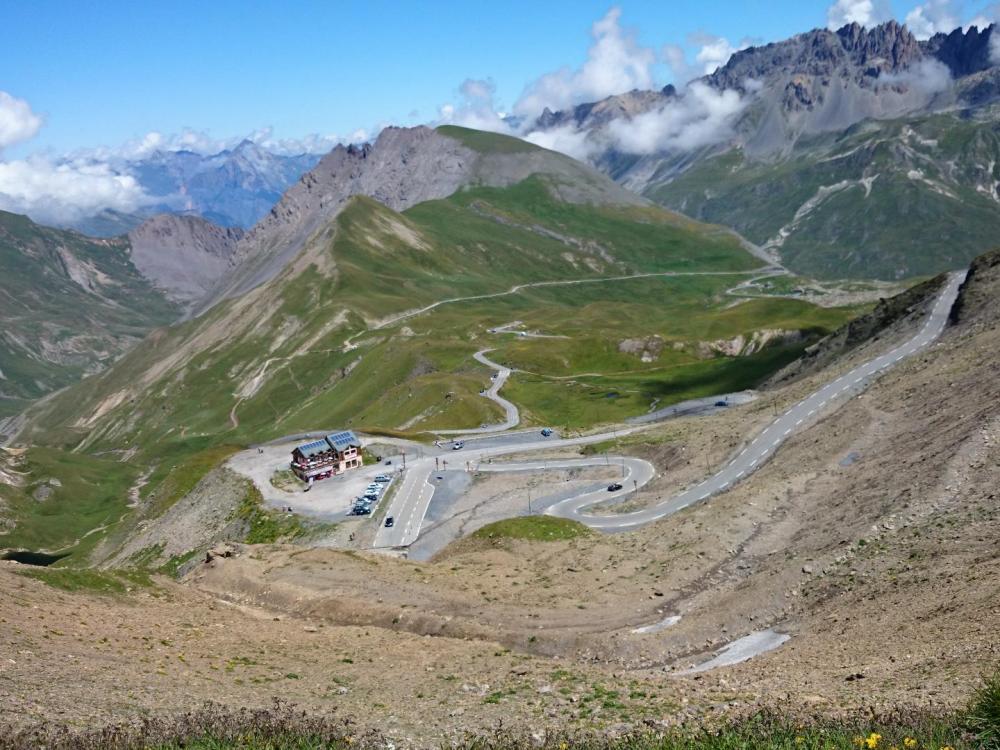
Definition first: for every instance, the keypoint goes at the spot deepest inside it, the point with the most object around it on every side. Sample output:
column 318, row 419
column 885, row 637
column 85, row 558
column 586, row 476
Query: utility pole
column 623, row 468
column 403, row 451
column 635, row 488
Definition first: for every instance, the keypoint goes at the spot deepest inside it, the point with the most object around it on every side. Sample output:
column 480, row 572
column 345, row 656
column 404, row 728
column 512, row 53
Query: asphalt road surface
column 767, row 442
column 411, row 501
column 512, row 417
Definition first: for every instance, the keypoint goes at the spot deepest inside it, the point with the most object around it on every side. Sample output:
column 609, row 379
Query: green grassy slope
column 318, row 346
column 69, row 304
column 930, row 203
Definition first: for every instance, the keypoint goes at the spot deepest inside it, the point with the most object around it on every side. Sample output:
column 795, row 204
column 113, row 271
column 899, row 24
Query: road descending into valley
column 512, row 417
column 409, row 505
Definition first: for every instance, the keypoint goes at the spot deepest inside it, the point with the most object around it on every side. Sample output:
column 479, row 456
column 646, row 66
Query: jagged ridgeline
column 861, row 153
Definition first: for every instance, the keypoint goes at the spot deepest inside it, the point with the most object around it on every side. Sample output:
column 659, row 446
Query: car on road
column 614, row 487
column 722, row 403
column 383, row 479
column 457, row 446
column 546, row 432
column 390, row 522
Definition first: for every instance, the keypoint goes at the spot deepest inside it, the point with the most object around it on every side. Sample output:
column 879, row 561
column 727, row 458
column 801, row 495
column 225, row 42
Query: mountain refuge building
column 328, row 457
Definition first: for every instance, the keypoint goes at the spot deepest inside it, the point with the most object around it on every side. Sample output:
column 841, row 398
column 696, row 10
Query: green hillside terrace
column 332, row 341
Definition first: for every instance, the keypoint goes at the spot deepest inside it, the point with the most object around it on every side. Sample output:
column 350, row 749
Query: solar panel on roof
column 342, row 438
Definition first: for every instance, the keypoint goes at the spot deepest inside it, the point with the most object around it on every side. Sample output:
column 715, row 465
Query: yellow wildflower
column 563, row 746
column 909, row 742
column 799, row 740
column 872, row 741
column 947, row 747
column 859, row 741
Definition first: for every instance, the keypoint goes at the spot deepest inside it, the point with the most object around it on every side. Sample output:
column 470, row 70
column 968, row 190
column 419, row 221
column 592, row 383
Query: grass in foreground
column 533, row 528
column 283, row 727
column 95, row 581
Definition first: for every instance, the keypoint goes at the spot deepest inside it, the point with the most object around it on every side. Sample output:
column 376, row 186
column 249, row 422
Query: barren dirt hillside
column 871, row 540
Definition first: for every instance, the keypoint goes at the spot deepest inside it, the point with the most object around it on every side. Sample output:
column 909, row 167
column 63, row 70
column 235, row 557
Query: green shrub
column 984, row 712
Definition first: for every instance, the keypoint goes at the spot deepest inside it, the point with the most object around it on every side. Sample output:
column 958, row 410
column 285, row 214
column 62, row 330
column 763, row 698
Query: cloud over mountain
column 863, row 12
column 615, row 62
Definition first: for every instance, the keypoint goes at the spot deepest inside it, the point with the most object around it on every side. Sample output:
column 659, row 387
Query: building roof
column 343, row 440
column 338, row 441
column 311, row 449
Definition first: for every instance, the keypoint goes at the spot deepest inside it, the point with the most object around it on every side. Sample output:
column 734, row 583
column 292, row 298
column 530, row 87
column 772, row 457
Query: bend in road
column 512, row 417
column 411, row 502
column 766, row 444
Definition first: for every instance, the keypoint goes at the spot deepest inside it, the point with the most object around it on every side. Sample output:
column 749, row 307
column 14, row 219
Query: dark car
column 546, row 432
column 614, row 487
column 722, row 403
column 390, row 522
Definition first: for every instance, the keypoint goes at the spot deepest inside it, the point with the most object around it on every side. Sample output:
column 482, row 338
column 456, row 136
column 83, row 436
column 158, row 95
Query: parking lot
column 329, row 499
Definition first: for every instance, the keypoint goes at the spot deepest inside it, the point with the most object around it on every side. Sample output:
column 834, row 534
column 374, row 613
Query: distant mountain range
column 856, row 152
column 233, row 188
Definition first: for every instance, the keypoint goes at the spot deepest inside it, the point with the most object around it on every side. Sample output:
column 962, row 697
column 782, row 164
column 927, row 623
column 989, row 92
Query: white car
column 457, row 446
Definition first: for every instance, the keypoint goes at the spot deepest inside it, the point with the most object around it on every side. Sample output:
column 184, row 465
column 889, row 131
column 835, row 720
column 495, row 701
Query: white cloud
column 565, row 139
column 701, row 116
column 60, row 193
column 615, row 63
column 933, row 16
column 17, row 121
column 927, row 76
column 864, row 12
column 478, row 108
column 713, row 53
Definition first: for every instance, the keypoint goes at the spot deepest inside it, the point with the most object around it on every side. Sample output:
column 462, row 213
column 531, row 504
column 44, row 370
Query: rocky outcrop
column 404, row 166
column 965, row 52
column 597, row 114
column 184, row 256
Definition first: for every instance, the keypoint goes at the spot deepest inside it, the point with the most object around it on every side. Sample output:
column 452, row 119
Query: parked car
column 614, row 487
column 390, row 522
column 383, row 479
column 546, row 432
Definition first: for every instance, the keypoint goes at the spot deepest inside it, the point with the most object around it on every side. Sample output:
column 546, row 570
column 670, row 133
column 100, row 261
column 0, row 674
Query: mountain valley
column 661, row 418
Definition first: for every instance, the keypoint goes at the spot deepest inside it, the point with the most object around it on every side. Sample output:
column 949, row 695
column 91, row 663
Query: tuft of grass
column 284, row 727
column 533, row 528
column 96, row 581
column 171, row 566
column 983, row 715
column 266, row 526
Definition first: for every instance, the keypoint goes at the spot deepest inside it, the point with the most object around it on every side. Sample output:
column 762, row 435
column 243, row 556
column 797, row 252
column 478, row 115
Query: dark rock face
column 852, row 53
column 964, row 52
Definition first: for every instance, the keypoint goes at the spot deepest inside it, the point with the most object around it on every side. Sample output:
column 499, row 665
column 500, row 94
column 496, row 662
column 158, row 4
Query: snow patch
column 740, row 650
column 656, row 627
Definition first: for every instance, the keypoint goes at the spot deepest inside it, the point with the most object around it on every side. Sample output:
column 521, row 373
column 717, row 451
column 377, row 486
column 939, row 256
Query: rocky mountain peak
column 184, row 256
column 965, row 52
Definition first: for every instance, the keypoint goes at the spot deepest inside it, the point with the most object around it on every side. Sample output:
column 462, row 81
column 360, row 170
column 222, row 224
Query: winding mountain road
column 512, row 417
column 764, row 446
column 409, row 506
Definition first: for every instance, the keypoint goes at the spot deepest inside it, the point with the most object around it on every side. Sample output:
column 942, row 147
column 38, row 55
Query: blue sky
column 101, row 73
